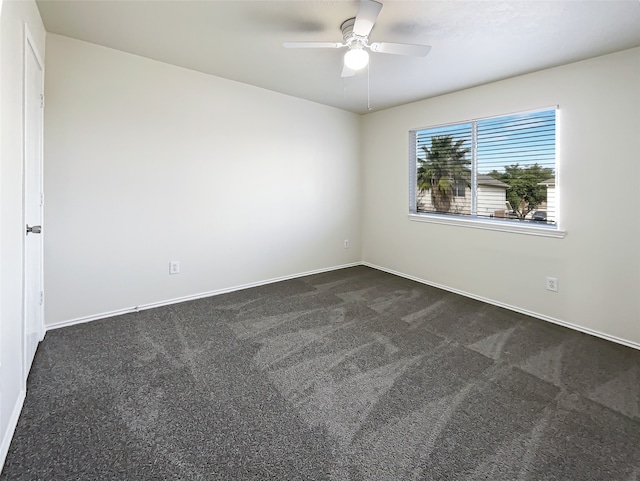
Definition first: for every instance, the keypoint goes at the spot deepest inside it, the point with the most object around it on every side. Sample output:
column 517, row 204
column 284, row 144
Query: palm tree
column 444, row 167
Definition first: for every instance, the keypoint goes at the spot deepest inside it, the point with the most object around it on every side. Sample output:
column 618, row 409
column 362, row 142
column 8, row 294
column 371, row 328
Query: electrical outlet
column 174, row 267
column 552, row 284
column 346, row 243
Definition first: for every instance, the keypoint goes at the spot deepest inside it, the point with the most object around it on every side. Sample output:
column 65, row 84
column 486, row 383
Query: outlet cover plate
column 174, row 267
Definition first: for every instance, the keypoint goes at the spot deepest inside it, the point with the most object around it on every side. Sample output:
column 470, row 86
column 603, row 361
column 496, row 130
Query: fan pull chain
column 368, row 88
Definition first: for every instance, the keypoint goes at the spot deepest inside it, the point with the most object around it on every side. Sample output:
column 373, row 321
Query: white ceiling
column 474, row 42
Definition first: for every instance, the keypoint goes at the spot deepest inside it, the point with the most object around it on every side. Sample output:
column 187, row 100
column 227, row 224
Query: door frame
column 30, row 44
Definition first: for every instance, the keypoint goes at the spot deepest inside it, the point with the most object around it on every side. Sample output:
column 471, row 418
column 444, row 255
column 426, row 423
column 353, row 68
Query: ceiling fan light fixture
column 356, row 58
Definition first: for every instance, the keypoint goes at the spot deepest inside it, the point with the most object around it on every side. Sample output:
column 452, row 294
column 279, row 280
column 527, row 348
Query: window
column 459, row 189
column 496, row 170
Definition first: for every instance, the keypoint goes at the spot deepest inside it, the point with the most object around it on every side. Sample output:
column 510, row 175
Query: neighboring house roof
column 549, row 182
column 488, row 180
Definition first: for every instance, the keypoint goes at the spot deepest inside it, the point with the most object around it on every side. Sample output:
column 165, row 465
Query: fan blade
column 312, row 45
column 347, row 72
column 400, row 49
column 365, row 18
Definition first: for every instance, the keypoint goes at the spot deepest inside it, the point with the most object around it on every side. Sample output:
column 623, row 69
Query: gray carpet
column 349, row 375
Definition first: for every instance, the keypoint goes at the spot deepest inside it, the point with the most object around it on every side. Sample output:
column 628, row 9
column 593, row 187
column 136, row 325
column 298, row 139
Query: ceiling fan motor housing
column 350, row 38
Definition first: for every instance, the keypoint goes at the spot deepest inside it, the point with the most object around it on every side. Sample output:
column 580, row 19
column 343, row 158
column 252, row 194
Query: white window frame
column 502, row 225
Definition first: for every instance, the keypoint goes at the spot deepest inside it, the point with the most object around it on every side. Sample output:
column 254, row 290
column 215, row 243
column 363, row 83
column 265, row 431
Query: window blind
column 500, row 167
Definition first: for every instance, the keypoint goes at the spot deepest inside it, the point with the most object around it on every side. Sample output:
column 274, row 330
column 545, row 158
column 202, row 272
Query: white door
column 33, row 201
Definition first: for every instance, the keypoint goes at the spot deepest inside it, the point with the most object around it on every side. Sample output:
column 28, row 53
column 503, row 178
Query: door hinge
column 41, row 101
column 41, row 297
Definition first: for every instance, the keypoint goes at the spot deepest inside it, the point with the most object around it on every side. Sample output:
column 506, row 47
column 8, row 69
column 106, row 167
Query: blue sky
column 525, row 139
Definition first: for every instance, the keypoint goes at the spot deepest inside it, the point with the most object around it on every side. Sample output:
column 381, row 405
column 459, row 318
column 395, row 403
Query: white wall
column 597, row 264
column 147, row 163
column 12, row 33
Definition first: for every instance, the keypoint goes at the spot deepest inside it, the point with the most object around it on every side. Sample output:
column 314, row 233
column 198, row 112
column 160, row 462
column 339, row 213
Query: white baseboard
column 575, row 327
column 11, row 428
column 152, row 305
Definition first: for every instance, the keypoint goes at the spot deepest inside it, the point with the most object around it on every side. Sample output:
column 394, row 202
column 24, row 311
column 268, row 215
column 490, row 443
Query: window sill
column 514, row 227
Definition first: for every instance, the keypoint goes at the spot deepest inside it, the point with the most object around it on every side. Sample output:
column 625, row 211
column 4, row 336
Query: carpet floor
column 352, row 375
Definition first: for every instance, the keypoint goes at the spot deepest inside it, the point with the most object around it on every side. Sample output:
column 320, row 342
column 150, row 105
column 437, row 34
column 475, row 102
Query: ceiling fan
column 355, row 33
